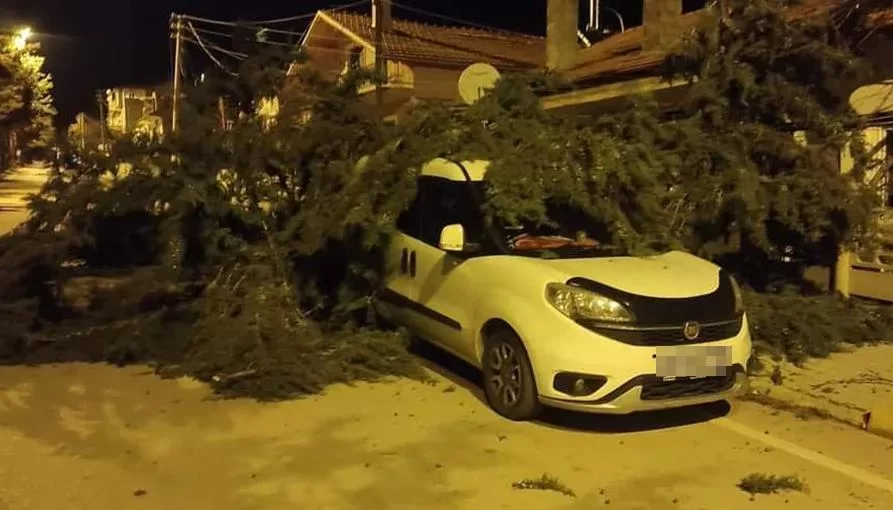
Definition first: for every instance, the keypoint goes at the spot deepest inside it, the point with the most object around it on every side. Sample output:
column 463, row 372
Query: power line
column 449, row 18
column 307, row 16
column 271, row 30
column 201, row 44
column 224, row 34
column 273, row 21
column 234, row 54
column 283, row 20
column 286, row 32
column 206, row 20
column 210, row 32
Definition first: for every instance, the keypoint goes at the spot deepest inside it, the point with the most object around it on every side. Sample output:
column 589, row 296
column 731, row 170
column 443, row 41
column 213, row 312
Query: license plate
column 693, row 361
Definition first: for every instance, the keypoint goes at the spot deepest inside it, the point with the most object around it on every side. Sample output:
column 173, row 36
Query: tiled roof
column 459, row 46
column 622, row 55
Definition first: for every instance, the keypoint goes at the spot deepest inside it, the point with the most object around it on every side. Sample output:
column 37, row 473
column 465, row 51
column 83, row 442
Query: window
column 355, row 58
column 441, row 202
column 410, row 222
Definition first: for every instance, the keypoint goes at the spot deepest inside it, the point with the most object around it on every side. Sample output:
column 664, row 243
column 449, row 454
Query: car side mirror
column 452, row 238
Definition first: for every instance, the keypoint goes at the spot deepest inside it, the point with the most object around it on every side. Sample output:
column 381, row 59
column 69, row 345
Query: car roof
column 451, row 170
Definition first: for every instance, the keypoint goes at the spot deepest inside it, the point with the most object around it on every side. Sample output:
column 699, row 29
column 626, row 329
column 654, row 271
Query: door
column 399, row 291
column 445, row 290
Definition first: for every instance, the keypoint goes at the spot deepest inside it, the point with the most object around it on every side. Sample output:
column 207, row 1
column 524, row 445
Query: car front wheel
column 508, row 377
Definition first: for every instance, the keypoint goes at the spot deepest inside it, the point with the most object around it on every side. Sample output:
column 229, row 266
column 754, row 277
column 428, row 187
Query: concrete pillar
column 562, row 20
column 662, row 23
column 842, row 269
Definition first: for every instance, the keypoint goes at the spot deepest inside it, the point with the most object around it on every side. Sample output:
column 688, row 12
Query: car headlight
column 739, row 298
column 581, row 304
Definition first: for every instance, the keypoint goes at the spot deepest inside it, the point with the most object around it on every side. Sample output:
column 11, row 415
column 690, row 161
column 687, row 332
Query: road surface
column 15, row 186
column 99, row 437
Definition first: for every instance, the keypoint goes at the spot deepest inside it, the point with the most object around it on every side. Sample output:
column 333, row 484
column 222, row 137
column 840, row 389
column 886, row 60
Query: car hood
column 672, row 275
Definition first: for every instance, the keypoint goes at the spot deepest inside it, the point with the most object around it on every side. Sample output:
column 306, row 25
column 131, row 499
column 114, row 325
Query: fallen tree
column 258, row 247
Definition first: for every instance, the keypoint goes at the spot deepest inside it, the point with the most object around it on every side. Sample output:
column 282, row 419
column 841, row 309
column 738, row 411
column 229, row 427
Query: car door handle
column 404, row 261
column 412, row 264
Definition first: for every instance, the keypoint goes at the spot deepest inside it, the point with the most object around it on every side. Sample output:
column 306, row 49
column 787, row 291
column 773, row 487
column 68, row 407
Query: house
column 604, row 74
column 137, row 110
column 423, row 61
column 126, row 106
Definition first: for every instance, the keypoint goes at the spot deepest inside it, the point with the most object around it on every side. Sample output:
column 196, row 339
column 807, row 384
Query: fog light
column 578, row 385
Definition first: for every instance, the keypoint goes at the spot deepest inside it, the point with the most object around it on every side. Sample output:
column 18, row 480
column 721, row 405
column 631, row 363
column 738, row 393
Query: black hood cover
column 717, row 306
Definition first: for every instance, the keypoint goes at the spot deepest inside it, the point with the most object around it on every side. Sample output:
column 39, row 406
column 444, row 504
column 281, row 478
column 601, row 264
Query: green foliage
column 241, row 332
column 786, row 324
column 282, row 198
column 26, row 103
column 756, row 78
column 263, row 237
column 612, row 187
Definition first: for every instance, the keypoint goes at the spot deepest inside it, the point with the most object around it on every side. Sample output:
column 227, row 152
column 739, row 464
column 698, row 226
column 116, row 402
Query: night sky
column 94, row 44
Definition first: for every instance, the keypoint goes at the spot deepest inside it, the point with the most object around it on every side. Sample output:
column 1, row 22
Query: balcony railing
column 399, row 75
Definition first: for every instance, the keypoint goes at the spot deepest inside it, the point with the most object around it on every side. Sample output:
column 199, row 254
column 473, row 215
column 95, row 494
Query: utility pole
column 221, row 108
column 177, row 25
column 380, row 66
column 82, row 127
column 381, row 22
column 101, row 102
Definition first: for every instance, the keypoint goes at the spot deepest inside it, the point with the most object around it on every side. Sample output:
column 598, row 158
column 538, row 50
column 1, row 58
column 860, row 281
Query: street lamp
column 21, row 38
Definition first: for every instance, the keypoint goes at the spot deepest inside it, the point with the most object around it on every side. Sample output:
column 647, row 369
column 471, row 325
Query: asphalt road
column 14, row 189
column 97, row 437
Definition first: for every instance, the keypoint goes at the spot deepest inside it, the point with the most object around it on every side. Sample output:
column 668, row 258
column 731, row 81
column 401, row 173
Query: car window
column 445, row 202
column 410, row 222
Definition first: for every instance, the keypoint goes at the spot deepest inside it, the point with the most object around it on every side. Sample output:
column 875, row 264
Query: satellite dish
column 476, row 80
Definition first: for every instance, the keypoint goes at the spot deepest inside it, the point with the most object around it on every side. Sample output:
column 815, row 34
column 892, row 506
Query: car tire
column 509, row 382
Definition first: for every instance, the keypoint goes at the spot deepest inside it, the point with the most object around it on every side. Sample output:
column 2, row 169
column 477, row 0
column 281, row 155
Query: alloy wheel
column 506, row 375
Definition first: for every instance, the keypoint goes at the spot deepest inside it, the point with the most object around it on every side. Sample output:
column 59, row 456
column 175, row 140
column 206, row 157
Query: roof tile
column 413, row 41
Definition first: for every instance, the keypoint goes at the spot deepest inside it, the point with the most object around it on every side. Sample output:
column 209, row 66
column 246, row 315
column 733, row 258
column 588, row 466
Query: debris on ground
column 544, row 483
column 761, row 483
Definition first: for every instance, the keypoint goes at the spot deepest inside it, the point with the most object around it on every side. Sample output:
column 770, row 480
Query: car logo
column 691, row 330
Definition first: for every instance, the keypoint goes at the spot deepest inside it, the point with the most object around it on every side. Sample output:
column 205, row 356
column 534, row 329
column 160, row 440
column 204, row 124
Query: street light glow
column 21, row 38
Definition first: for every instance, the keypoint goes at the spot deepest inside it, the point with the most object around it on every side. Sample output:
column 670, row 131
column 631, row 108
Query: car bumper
column 630, row 372
column 630, row 399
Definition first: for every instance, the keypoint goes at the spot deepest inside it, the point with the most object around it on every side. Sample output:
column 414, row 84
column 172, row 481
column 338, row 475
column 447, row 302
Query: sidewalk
column 15, row 187
column 843, row 386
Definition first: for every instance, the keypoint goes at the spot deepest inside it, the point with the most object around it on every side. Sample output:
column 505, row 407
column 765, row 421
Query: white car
column 559, row 320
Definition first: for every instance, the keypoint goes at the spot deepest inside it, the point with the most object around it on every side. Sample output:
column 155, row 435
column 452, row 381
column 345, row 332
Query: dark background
column 94, row 44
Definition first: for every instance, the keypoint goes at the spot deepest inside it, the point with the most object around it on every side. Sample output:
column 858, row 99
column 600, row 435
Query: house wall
column 436, row 84
column 328, row 50
column 126, row 106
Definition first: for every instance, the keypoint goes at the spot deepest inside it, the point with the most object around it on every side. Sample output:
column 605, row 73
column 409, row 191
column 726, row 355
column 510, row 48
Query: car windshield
column 566, row 234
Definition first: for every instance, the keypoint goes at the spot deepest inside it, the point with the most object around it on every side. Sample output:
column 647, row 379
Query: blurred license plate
column 693, row 361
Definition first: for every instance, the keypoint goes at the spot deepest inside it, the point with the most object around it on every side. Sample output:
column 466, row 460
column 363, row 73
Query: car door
column 444, row 285
column 399, row 291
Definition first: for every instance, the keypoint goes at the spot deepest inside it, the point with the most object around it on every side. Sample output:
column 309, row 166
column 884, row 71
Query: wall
column 436, row 84
column 327, row 49
column 663, row 23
